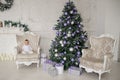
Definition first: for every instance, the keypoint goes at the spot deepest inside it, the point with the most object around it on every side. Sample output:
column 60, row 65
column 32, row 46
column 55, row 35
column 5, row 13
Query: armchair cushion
column 27, row 56
column 109, row 55
column 92, row 63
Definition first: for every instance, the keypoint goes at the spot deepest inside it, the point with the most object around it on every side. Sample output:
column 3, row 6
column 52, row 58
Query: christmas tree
column 70, row 38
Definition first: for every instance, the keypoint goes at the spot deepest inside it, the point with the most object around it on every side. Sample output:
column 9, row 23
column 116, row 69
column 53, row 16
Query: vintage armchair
column 98, row 58
column 27, row 59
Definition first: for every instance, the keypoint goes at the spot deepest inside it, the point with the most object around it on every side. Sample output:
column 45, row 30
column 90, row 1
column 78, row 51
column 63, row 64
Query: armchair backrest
column 101, row 46
column 33, row 40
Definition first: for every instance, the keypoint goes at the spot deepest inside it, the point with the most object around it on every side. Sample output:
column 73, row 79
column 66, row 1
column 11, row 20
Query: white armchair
column 99, row 57
column 27, row 59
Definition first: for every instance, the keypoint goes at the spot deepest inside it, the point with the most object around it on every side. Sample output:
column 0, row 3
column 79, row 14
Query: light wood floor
column 8, row 71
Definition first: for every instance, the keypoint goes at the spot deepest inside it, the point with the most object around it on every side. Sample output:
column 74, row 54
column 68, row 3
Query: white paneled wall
column 42, row 15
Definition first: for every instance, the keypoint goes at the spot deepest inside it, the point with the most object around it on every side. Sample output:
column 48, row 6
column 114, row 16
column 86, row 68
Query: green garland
column 16, row 24
column 6, row 6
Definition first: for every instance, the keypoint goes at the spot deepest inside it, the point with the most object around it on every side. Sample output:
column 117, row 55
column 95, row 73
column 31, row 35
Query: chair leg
column 38, row 65
column 100, row 76
column 17, row 66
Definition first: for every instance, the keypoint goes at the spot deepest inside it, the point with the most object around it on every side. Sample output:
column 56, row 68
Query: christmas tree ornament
column 78, row 31
column 60, row 30
column 68, row 35
column 82, row 36
column 73, row 34
column 64, row 52
column 65, row 37
column 78, row 43
column 57, row 33
column 68, row 17
column 72, row 22
column 78, row 52
column 64, row 42
column 68, row 22
column 71, row 12
column 72, row 59
column 69, row 32
column 70, row 28
column 61, row 42
column 64, row 58
column 56, row 50
column 62, row 45
column 76, row 63
column 75, row 12
column 64, row 33
column 65, row 24
column 79, row 26
column 62, row 62
column 71, row 49
column 56, row 55
column 66, row 13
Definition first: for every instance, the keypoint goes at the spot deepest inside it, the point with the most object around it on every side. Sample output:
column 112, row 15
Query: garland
column 6, row 6
column 16, row 24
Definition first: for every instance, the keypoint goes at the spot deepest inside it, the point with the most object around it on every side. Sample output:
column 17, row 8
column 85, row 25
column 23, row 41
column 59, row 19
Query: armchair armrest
column 86, row 52
column 16, row 51
column 107, row 61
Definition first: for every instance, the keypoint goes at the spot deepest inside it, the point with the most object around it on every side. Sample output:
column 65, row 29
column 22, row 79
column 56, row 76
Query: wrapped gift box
column 59, row 68
column 74, row 70
column 43, row 60
column 47, row 64
column 53, row 71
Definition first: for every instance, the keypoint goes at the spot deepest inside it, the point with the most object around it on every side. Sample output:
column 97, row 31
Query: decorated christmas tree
column 70, row 38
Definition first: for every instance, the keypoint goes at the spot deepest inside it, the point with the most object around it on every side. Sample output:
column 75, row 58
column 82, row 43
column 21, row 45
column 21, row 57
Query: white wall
column 112, row 22
column 41, row 16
